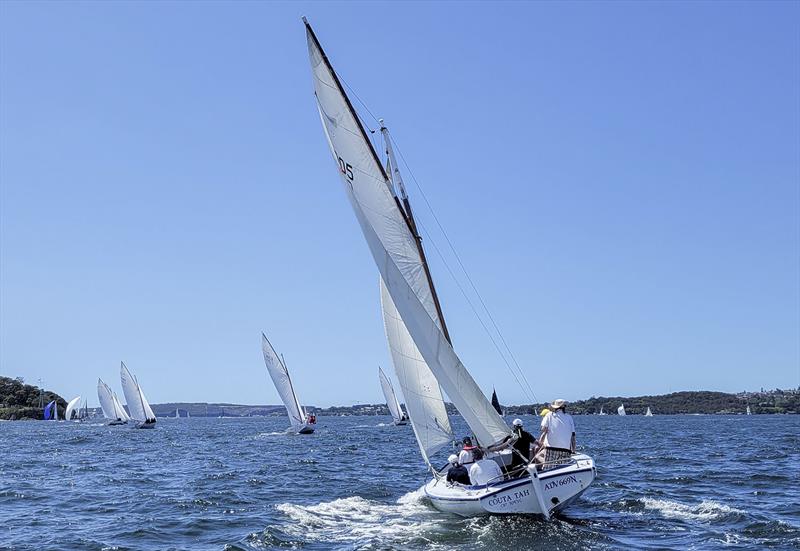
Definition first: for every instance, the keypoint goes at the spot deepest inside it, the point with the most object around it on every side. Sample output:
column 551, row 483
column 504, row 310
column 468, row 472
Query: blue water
column 671, row 482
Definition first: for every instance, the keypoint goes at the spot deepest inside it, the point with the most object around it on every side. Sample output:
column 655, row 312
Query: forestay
column 421, row 391
column 391, row 398
column 394, row 247
column 283, row 384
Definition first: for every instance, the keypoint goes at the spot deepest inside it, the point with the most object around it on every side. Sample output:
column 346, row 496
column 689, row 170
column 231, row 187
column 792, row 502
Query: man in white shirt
column 558, row 428
column 484, row 471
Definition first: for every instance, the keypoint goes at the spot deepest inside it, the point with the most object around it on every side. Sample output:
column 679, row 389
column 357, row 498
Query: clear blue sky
column 622, row 181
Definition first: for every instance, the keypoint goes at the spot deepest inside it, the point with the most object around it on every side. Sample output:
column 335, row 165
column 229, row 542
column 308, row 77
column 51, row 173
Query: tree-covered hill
column 687, row 402
column 21, row 401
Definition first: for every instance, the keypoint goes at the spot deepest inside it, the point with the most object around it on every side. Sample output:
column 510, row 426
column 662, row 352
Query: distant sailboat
column 748, row 411
column 110, row 404
column 138, row 406
column 301, row 423
column 49, row 411
column 648, row 413
column 496, row 403
column 392, row 402
column 602, row 412
column 424, row 359
column 177, row 413
column 621, row 410
column 71, row 407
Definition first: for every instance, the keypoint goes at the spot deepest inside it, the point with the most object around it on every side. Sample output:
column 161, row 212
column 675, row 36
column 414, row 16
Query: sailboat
column 140, row 410
column 301, row 423
column 648, row 413
column 177, row 413
column 110, row 404
column 70, row 408
column 392, row 402
column 496, row 403
column 602, row 412
column 50, row 411
column 748, row 410
column 621, row 410
column 423, row 356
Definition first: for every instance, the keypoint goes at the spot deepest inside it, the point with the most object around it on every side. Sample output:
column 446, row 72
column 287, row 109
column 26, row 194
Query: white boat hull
column 547, row 493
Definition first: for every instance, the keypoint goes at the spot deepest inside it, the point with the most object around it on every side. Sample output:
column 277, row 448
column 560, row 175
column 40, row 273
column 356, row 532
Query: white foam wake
column 705, row 510
column 358, row 520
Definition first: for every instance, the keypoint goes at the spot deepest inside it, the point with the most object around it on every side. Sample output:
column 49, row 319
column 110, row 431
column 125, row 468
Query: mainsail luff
column 395, row 247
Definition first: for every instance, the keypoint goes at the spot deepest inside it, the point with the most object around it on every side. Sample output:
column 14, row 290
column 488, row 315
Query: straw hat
column 558, row 404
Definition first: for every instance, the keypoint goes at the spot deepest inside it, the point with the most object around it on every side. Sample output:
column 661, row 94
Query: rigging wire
column 527, row 388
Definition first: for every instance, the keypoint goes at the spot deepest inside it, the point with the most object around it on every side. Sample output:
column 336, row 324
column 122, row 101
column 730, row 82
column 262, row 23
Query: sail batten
column 395, row 248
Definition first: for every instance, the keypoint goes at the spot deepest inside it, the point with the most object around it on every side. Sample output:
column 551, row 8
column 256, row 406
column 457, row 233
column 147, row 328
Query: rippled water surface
column 671, row 482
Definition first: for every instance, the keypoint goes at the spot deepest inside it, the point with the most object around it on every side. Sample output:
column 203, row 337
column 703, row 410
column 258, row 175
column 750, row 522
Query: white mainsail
column 621, row 410
column 391, row 398
column 109, row 403
column 71, row 406
column 283, row 384
column 394, row 247
column 421, row 391
column 648, row 413
column 137, row 404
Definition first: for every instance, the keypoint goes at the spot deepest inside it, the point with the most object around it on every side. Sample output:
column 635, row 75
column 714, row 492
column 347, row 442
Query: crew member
column 484, row 471
column 521, row 441
column 457, row 473
column 558, row 434
column 465, row 456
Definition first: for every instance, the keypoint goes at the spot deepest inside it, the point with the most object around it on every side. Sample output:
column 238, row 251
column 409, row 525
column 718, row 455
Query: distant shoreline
column 21, row 401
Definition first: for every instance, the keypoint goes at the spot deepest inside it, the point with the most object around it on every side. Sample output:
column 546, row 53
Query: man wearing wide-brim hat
column 558, row 434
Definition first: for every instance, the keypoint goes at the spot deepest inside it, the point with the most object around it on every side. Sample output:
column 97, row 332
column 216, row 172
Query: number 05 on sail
column 422, row 354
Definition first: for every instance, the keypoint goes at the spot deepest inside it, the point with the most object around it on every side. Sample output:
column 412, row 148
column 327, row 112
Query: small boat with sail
column 602, row 412
column 110, row 404
column 301, row 422
column 71, row 408
column 51, row 411
column 496, row 404
column 748, row 410
column 621, row 410
column 648, row 413
column 398, row 416
column 419, row 342
column 139, row 408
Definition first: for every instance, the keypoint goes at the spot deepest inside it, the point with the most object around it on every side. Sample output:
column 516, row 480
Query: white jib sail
column 420, row 388
column 283, row 384
column 621, row 410
column 70, row 407
column 137, row 404
column 391, row 398
column 394, row 249
column 106, row 403
column 120, row 411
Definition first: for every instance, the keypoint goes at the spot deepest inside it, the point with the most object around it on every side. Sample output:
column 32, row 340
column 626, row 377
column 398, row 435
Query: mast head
column 304, row 19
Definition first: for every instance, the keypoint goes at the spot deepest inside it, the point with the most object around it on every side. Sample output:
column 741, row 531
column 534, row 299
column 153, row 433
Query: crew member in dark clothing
column 457, row 473
column 521, row 441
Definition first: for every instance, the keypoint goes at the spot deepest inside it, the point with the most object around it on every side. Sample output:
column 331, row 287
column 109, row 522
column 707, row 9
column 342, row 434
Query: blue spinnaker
column 48, row 410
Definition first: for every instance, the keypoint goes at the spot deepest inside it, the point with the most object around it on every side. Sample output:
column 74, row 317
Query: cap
column 517, row 422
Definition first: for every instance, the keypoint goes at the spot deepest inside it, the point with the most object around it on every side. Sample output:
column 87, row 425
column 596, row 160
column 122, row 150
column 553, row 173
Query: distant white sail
column 391, row 398
column 621, row 410
column 70, row 407
column 138, row 406
column 648, row 413
column 394, row 248
column 283, row 384
column 420, row 388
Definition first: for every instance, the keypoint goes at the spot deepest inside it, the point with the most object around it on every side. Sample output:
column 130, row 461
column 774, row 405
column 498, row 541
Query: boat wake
column 706, row 510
